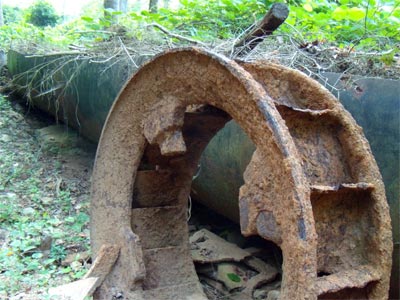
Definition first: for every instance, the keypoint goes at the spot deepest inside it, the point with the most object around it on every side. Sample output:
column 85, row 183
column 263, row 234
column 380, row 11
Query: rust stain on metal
column 312, row 186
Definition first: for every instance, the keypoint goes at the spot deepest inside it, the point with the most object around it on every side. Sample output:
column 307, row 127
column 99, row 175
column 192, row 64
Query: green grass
column 34, row 208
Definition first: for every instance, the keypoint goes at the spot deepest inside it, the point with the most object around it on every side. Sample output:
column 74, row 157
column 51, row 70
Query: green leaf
column 308, row 7
column 356, row 14
column 37, row 255
column 87, row 19
column 234, row 277
column 70, row 219
column 66, row 270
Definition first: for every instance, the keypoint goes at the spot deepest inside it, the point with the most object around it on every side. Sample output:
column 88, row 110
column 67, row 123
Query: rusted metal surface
column 312, row 185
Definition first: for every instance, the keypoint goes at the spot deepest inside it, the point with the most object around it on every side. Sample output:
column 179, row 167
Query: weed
column 39, row 223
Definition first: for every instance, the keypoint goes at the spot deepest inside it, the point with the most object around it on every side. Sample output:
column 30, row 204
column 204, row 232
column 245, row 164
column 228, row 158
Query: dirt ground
column 44, row 192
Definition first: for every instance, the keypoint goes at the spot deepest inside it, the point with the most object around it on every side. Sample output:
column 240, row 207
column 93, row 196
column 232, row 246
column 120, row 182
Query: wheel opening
column 160, row 217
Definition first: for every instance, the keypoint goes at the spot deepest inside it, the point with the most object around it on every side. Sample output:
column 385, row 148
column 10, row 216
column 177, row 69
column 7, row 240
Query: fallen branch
column 178, row 36
column 127, row 53
column 56, row 54
column 271, row 21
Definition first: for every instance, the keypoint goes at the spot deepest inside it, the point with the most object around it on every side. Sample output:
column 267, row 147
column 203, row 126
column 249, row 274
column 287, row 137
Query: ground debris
column 229, row 272
column 80, row 257
column 207, row 247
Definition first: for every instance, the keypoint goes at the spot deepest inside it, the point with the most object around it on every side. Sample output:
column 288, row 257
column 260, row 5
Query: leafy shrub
column 12, row 14
column 208, row 19
column 368, row 23
column 348, row 21
column 42, row 14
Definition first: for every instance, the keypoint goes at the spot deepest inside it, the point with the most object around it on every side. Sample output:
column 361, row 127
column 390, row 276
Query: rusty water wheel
column 312, row 186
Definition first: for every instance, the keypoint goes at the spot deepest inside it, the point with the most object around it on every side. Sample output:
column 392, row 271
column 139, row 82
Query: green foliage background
column 367, row 24
column 42, row 14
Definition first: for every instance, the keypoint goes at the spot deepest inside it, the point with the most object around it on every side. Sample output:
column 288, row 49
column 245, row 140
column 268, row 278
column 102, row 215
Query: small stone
column 273, row 295
column 5, row 138
column 3, row 236
column 28, row 211
column 15, row 116
column 45, row 243
column 260, row 294
column 47, row 200
column 55, row 137
column 76, row 265
column 75, row 257
column 18, row 107
column 11, row 195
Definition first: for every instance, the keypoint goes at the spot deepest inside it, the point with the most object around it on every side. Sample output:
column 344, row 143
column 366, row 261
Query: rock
column 5, row 138
column 207, row 247
column 11, row 196
column 28, row 211
column 15, row 116
column 47, row 200
column 76, row 265
column 273, row 295
column 260, row 294
column 45, row 243
column 54, row 137
column 3, row 235
column 75, row 257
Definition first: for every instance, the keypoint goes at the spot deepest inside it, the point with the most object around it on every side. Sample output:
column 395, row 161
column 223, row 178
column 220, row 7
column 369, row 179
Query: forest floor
column 44, row 186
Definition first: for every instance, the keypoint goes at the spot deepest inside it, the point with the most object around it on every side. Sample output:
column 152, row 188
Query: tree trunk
column 153, row 6
column 115, row 5
column 123, row 5
column 112, row 4
column 1, row 14
column 166, row 3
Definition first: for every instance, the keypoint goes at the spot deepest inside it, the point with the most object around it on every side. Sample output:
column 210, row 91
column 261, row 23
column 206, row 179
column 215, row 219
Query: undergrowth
column 41, row 220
